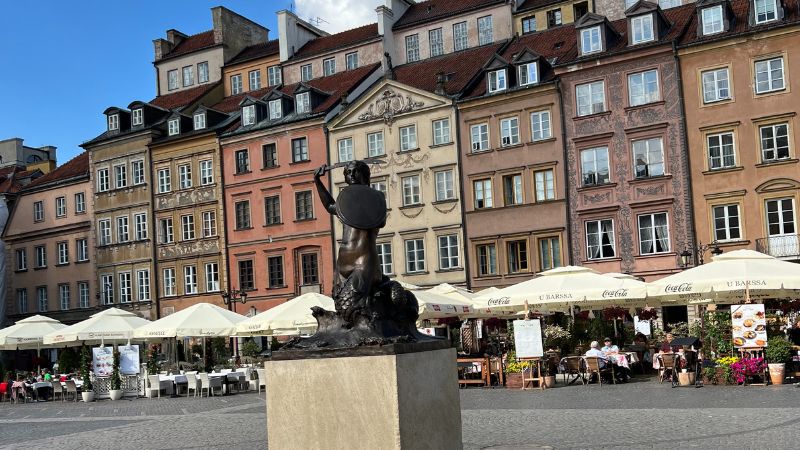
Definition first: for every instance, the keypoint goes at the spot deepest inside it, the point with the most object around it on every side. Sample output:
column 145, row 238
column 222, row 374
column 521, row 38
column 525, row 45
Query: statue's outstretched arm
column 324, row 195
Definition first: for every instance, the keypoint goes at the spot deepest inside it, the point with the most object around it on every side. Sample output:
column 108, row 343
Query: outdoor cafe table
column 624, row 359
column 230, row 378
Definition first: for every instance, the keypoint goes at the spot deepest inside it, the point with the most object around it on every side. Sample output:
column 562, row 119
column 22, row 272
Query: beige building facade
column 531, row 16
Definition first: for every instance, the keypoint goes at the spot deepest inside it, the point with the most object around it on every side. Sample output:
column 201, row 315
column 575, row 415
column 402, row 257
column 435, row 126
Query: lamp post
column 699, row 252
column 234, row 296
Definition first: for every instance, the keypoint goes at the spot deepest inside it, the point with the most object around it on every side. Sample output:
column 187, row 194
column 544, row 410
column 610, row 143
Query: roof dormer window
column 766, row 10
column 249, row 115
column 712, row 20
column 591, row 40
column 113, row 122
column 303, row 105
column 497, row 81
column 174, row 126
column 137, row 116
column 528, row 74
column 642, row 27
column 199, row 121
column 275, row 111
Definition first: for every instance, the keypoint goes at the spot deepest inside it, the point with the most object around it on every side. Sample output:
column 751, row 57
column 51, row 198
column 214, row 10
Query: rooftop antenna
column 316, row 21
column 291, row 6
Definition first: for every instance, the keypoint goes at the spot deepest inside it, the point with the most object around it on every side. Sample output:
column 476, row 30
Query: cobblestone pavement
column 638, row 415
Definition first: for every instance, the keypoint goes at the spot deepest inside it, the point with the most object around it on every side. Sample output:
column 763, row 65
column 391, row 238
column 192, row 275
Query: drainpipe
column 154, row 238
column 461, row 189
column 687, row 161
column 326, row 132
column 568, row 222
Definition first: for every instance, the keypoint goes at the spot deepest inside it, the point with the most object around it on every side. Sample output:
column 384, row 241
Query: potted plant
column 778, row 351
column 87, row 391
column 747, row 368
column 116, row 381
column 513, row 371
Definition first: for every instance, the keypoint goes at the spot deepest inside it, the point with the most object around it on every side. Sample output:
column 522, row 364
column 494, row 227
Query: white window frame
column 254, row 79
column 445, row 185
column 237, row 87
column 206, row 172
column 351, row 61
column 174, row 126
column 104, row 232
column 652, row 227
column 716, row 87
column 545, row 185
column 591, row 40
column 38, row 211
column 275, row 109
column 441, row 131
column 517, row 189
column 408, row 138
column 766, row 8
column 345, row 147
column 485, row 30
column 306, row 72
column 412, row 194
column 498, row 81
column 385, row 257
column 713, row 21
column 82, row 249
column 21, row 259
column 41, row 256
column 140, row 226
column 172, row 79
column 113, row 122
column 137, row 172
column 724, row 151
column 773, row 140
column 274, row 75
column 328, row 66
column 723, row 214
column 202, row 72
column 103, row 181
column 415, row 255
column 540, row 126
column 490, row 256
column 83, row 294
column 166, row 230
column 120, row 176
column 479, row 137
column 643, row 88
column 249, row 115
column 528, row 73
column 600, row 253
column 642, row 29
column 595, row 94
column 61, row 206
column 212, row 277
column 412, row 48
column 435, row 42
column 483, row 191
column 164, row 180
column 449, row 252
column 785, row 227
column 375, row 144
column 125, row 287
column 200, row 121
column 80, row 203
column 187, row 75
column 62, row 249
column 460, row 36
column 137, row 117
column 184, row 176
column 769, row 67
column 651, row 166
column 169, row 282
column 509, row 131
column 143, row 285
column 123, row 229
column 189, row 280
column 22, row 300
column 187, row 227
column 209, row 223
column 303, row 104
column 41, row 296
column 107, row 289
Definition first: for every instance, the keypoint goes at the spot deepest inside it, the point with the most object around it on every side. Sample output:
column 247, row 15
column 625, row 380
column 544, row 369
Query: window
column 137, row 116
column 272, row 210
column 590, row 40
column 528, row 74
column 304, row 209
column 188, row 76
column 83, row 294
column 22, row 259
column 254, row 77
column 242, row 161
column 648, row 156
column 63, row 253
column 274, row 75
column 137, row 167
column 715, row 85
column 351, row 61
column 642, row 29
column 82, row 249
column 411, row 194
column 172, row 80
column 61, row 207
column 445, row 189
column 236, row 84
column 726, row 223
column 415, row 255
column 448, row 252
column 113, row 122
column 774, row 142
column 666, row 4
column 553, row 18
column 199, row 121
column 441, row 131
column 121, row 176
column 540, row 125
column 309, row 265
column 41, row 295
column 104, row 228
column 190, row 280
column 38, row 211
column 202, row 72
column 302, row 103
column 497, row 80
column 345, row 149
column 517, row 254
column 528, row 24
column 412, row 48
column 185, row 176
column 269, row 154
column 485, row 30
column 206, row 172
column 165, row 230
column 712, row 20
column 169, row 282
column 594, row 166
column 653, row 233
column 766, row 10
column 102, row 180
column 512, row 189
column 122, row 229
column 600, row 239
column 212, row 277
column 107, row 289
column 545, row 185
column 483, row 193
column 780, row 217
column 249, row 115
column 80, row 203
column 460, row 40
column 275, row 110
column 164, row 180
column 242, row 214
column 328, row 66
column 509, row 132
column 173, row 127
column 591, row 98
column 643, row 88
column 143, row 285
column 480, row 137
column 209, row 223
column 375, row 144
column 22, row 300
column 187, row 227
column 549, row 253
column 721, row 152
column 246, row 275
column 41, row 256
column 125, row 287
column 380, row 186
column 436, row 42
column 275, row 271
column 769, row 75
column 306, row 72
column 299, row 150
column 408, row 138
column 487, row 259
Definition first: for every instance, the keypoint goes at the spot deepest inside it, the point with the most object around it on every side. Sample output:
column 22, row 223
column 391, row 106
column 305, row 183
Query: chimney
column 51, row 151
column 441, row 79
column 175, row 37
column 161, row 48
column 343, row 102
column 294, row 33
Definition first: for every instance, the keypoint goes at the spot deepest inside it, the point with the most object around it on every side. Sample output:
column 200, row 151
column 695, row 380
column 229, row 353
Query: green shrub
column 68, row 360
column 86, row 368
column 778, row 350
column 250, row 349
column 116, row 380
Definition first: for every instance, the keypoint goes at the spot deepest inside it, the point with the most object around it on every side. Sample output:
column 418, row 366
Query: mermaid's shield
column 361, row 207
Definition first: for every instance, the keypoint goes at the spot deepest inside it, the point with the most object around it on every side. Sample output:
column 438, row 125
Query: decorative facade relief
column 388, row 106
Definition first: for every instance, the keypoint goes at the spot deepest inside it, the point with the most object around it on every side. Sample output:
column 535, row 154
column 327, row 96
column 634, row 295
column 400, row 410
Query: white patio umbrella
column 289, row 318
column 112, row 324
column 729, row 277
column 437, row 306
column 479, row 310
column 27, row 334
column 198, row 320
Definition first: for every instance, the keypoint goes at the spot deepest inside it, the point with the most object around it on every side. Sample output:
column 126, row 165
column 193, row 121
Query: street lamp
column 234, row 296
column 699, row 250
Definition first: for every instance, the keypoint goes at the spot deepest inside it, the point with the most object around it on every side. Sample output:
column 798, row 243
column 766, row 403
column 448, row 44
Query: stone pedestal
column 389, row 397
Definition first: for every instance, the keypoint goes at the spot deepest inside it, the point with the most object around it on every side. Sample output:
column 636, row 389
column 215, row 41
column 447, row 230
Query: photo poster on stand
column 103, row 361
column 641, row 326
column 129, row 359
column 749, row 326
column 528, row 338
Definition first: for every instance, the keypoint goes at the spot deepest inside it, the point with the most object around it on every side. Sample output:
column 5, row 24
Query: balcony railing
column 787, row 246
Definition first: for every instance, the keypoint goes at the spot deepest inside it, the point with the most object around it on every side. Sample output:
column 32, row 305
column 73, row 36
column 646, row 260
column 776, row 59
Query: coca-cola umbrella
column 732, row 276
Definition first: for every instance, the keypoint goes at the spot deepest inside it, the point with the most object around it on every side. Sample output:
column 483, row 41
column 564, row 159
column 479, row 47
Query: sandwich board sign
column 528, row 338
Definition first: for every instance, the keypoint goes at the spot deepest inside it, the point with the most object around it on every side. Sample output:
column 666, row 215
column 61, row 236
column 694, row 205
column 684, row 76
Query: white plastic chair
column 57, row 390
column 191, row 379
column 208, row 384
column 262, row 379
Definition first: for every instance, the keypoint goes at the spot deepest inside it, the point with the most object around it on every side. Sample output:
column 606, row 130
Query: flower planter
column 513, row 381
column 550, row 381
column 115, row 394
column 777, row 373
column 87, row 396
column 686, row 378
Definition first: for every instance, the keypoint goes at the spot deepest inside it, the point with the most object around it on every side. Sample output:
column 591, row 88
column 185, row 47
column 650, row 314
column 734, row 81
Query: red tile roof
column 192, row 43
column 338, row 40
column 11, row 178
column 184, row 97
column 76, row 167
column 741, row 9
column 432, row 10
column 268, row 48
column 536, row 4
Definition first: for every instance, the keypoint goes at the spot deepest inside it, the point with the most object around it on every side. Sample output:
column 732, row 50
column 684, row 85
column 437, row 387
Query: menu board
column 103, row 361
column 749, row 326
column 129, row 359
column 528, row 338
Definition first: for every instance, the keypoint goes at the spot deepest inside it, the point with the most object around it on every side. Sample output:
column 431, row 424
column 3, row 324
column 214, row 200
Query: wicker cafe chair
column 71, row 389
column 57, row 390
column 668, row 363
column 573, row 366
column 593, row 365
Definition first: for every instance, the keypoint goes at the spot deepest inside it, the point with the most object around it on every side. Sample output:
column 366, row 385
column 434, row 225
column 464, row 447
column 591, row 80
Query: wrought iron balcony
column 785, row 247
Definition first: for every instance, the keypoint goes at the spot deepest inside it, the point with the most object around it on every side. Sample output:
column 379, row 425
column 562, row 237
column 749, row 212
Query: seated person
column 608, row 347
column 46, row 375
column 594, row 351
column 667, row 347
